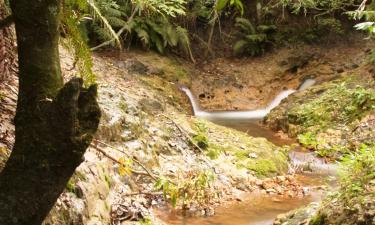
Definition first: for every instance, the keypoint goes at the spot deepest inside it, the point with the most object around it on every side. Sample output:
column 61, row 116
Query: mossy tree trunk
column 54, row 123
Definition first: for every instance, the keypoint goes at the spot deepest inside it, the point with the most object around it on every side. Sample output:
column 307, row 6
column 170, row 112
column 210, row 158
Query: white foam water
column 252, row 114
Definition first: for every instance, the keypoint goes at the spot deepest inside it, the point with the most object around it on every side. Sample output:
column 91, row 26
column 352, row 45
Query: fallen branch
column 183, row 132
column 154, row 177
column 120, row 163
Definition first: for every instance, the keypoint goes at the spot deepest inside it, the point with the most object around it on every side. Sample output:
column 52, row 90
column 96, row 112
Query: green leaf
column 221, row 4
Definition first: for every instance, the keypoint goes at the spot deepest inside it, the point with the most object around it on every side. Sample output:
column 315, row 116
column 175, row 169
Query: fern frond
column 98, row 15
column 76, row 44
column 245, row 25
column 256, row 38
column 239, row 47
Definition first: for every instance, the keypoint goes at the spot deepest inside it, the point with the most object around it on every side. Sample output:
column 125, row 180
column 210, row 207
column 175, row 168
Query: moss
column 323, row 116
column 318, row 220
column 70, row 186
column 255, row 154
column 214, row 151
column 262, row 167
column 123, row 106
column 340, row 103
column 201, row 140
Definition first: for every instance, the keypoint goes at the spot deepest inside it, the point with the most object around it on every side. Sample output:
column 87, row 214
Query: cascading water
column 253, row 114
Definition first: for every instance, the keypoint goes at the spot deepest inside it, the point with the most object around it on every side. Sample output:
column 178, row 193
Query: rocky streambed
column 262, row 207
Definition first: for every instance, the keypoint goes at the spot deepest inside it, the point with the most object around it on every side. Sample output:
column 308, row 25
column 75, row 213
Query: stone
column 136, row 67
column 151, row 106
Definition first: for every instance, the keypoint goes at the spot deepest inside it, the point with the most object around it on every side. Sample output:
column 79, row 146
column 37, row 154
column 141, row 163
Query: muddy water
column 257, row 208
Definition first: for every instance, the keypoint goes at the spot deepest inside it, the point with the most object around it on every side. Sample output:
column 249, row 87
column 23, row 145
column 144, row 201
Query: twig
column 182, row 131
column 135, row 160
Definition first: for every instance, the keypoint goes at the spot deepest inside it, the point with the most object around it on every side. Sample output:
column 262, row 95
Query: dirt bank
column 249, row 83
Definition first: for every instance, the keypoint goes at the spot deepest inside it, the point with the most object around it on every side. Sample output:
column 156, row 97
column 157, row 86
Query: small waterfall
column 306, row 84
column 252, row 114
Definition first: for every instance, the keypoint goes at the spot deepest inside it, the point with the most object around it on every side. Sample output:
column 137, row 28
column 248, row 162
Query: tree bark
column 54, row 123
column 7, row 47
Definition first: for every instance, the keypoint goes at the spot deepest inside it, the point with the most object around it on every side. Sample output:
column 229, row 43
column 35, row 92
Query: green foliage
column 340, row 104
column 214, row 151
column 70, row 186
column 159, row 34
column 75, row 16
column 252, row 40
column 308, row 140
column 148, row 21
column 357, row 175
column 237, row 4
column 201, row 140
column 195, row 187
column 146, row 221
column 328, row 25
column 322, row 6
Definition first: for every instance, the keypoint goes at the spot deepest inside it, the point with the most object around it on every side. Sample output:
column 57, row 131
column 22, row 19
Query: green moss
column 201, row 140
column 318, row 220
column 255, row 154
column 146, row 221
column 214, row 151
column 70, row 185
column 123, row 106
column 262, row 166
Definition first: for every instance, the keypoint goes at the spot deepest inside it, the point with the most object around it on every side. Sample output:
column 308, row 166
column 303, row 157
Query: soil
column 250, row 83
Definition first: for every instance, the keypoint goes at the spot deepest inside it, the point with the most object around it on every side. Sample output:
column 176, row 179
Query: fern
column 252, row 40
column 97, row 16
column 244, row 25
column 76, row 44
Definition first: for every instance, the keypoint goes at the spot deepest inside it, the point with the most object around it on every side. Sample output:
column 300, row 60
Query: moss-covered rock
column 329, row 118
column 257, row 155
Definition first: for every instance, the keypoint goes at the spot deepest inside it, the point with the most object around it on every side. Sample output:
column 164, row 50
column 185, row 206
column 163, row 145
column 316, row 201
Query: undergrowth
column 340, row 104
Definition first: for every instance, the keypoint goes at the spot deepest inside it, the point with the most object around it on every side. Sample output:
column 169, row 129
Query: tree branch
column 6, row 22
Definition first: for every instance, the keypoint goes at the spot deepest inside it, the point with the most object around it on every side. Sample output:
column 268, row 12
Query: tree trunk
column 54, row 123
column 7, row 47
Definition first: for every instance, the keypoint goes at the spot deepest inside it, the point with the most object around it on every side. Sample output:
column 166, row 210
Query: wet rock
column 253, row 155
column 300, row 216
column 151, row 106
column 209, row 211
column 136, row 67
column 299, row 61
column 268, row 184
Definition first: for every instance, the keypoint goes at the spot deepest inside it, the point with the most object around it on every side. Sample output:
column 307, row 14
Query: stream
column 257, row 208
